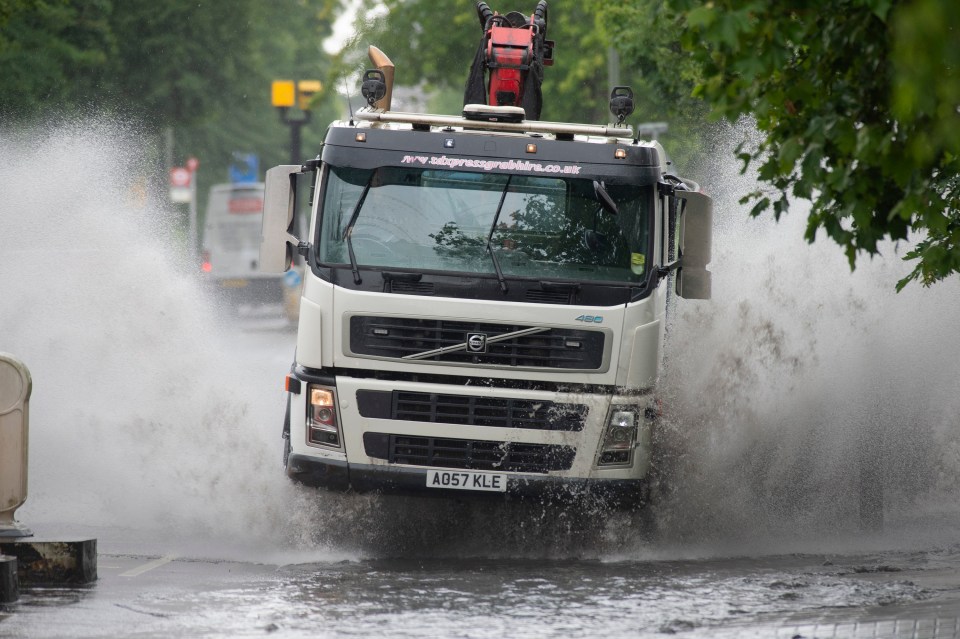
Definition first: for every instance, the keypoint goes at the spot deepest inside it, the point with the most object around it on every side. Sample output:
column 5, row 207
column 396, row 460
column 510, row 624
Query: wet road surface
column 231, row 549
column 155, row 428
column 326, row 593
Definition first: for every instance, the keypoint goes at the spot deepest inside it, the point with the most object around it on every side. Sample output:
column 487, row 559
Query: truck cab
column 484, row 303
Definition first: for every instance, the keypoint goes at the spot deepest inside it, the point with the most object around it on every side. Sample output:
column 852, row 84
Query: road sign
column 179, row 176
column 180, row 191
column 245, row 167
column 292, row 278
column 193, row 164
column 282, row 93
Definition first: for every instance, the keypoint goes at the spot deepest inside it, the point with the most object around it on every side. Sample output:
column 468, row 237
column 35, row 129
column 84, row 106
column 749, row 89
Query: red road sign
column 192, row 164
column 179, row 176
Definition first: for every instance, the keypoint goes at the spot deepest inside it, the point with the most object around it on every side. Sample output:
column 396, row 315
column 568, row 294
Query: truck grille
column 468, row 454
column 410, row 338
column 471, row 410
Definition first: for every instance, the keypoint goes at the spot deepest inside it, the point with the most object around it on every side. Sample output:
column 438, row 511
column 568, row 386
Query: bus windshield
column 540, row 227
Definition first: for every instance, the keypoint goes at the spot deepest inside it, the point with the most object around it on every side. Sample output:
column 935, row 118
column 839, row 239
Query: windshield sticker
column 491, row 165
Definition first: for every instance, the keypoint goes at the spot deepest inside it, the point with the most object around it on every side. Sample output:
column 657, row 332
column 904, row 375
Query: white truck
column 484, row 301
column 230, row 254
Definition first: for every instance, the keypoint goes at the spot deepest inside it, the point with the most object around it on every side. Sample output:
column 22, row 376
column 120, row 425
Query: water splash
column 146, row 416
column 143, row 416
column 799, row 375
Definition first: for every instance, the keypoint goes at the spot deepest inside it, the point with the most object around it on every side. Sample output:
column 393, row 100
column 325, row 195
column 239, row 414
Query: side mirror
column 696, row 241
column 277, row 241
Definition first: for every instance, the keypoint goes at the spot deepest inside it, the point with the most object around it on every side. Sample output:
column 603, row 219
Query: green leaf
column 760, row 207
column 701, row 17
column 790, row 151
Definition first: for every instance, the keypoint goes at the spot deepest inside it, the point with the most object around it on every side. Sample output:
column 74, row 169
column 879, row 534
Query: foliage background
column 857, row 101
column 192, row 78
column 858, row 105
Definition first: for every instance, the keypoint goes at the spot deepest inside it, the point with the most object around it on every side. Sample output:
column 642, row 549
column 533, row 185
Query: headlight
column 619, row 438
column 322, row 426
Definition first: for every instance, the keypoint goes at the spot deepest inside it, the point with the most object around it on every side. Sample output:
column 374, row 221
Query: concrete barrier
column 25, row 560
column 9, row 584
column 42, row 562
column 15, row 388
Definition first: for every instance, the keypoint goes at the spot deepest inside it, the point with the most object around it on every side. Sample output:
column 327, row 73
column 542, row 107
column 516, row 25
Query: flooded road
column 155, row 427
column 888, row 594
column 211, row 550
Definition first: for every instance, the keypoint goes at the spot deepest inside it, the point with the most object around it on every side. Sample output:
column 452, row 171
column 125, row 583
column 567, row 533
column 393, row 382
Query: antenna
column 346, row 88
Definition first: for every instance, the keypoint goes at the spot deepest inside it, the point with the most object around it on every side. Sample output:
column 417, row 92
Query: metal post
column 613, row 67
column 295, row 126
column 193, row 217
column 295, row 142
column 15, row 388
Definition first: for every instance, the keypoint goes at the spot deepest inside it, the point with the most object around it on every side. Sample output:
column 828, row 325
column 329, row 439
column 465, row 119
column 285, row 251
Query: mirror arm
column 303, row 248
column 664, row 271
column 669, row 186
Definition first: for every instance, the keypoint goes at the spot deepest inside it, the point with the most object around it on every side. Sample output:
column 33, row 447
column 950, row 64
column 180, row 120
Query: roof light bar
column 526, row 126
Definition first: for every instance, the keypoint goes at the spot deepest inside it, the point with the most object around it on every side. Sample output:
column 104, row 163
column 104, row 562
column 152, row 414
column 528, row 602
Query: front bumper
column 342, row 476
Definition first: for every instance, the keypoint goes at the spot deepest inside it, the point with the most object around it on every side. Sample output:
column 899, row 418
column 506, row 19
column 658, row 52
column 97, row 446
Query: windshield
column 425, row 219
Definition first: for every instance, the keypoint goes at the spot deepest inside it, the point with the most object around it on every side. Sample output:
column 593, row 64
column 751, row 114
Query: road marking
column 156, row 563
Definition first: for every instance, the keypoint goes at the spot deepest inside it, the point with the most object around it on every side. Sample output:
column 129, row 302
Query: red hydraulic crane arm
column 508, row 67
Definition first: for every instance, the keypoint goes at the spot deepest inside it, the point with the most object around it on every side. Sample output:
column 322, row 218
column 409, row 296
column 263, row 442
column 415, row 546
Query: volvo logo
column 476, row 343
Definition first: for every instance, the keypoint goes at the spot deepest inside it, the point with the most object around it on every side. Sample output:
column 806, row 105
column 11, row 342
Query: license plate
column 234, row 283
column 467, row 480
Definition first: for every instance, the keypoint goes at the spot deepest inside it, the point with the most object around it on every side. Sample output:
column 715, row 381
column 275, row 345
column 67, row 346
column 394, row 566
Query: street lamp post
column 284, row 94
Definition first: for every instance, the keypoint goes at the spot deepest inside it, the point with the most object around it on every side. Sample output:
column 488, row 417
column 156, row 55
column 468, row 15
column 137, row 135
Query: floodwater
column 783, row 596
column 155, row 423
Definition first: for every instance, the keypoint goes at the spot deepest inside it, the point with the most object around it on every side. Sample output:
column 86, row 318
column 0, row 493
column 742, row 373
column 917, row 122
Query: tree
column 662, row 73
column 199, row 70
column 50, row 52
column 434, row 41
column 858, row 102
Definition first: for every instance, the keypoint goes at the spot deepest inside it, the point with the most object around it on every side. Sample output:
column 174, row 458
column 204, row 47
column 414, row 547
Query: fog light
column 322, row 426
column 323, row 415
column 618, row 438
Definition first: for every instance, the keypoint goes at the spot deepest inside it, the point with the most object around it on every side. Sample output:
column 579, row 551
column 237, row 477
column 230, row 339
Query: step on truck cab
column 484, row 302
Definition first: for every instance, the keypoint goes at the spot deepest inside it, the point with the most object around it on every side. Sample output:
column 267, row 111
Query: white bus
column 231, row 247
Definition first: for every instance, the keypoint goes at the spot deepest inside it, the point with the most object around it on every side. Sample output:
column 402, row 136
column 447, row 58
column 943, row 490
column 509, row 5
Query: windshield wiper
column 603, row 197
column 493, row 227
column 347, row 232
